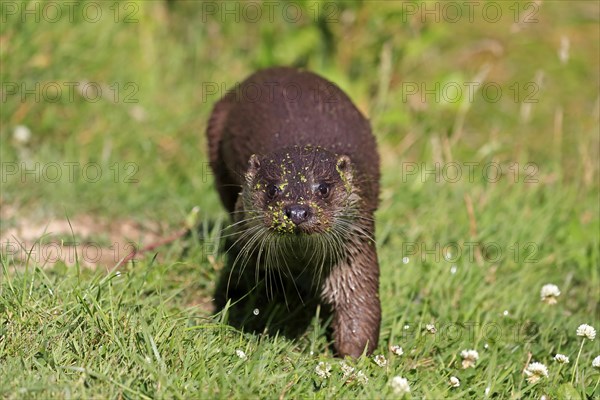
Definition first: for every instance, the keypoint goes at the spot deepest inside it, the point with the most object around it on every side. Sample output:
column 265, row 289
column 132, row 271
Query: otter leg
column 352, row 289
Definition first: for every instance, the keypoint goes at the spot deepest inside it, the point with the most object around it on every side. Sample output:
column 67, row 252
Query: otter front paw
column 356, row 330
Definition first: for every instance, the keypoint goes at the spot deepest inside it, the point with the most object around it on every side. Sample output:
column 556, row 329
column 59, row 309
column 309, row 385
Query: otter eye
column 272, row 191
column 324, row 190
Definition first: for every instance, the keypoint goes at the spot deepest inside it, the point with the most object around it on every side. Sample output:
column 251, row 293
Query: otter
column 296, row 165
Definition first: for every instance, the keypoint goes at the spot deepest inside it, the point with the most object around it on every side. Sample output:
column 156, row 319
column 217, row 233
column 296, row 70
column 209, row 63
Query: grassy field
column 487, row 121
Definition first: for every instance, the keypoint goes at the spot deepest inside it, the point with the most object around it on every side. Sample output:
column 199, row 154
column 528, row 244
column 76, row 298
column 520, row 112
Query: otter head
column 300, row 190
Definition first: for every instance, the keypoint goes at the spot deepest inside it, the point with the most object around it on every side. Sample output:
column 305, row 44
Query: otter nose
column 298, row 213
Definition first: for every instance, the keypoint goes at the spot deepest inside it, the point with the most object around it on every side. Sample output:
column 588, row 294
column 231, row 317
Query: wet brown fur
column 284, row 121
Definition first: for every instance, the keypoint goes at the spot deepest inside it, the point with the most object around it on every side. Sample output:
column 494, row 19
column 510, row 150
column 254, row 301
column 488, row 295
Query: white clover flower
column 549, row 293
column 323, row 370
column 536, row 371
column 431, row 328
column 362, row 378
column 454, row 382
column 240, row 354
column 586, row 331
column 380, row 360
column 400, row 385
column 22, row 134
column 349, row 375
column 561, row 359
column 397, row 350
column 470, row 357
column 346, row 369
column 596, row 362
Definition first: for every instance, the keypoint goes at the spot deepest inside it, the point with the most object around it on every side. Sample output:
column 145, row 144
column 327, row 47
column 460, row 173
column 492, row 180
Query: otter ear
column 343, row 164
column 344, row 168
column 253, row 166
column 253, row 162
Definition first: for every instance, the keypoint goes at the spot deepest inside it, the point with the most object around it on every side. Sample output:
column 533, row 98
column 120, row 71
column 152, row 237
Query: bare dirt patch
column 90, row 240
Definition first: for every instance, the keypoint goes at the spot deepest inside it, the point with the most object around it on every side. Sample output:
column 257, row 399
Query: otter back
column 282, row 107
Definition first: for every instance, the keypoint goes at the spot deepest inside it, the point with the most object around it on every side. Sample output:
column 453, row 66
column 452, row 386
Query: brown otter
column 296, row 164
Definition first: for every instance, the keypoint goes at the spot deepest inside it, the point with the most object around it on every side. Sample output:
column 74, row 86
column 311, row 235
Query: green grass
column 145, row 330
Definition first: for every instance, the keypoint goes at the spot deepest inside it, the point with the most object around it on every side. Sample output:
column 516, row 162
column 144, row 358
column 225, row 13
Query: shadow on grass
column 259, row 302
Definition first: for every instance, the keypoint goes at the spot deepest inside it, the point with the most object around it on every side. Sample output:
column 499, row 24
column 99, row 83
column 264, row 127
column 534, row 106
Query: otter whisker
column 242, row 221
column 249, row 249
column 279, row 271
column 255, row 235
column 353, row 228
column 322, row 263
column 257, row 266
column 244, row 236
column 337, row 244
